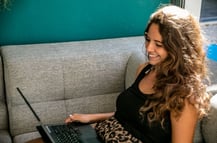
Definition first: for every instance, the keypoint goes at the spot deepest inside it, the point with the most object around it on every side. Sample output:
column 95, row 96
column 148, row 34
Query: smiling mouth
column 152, row 56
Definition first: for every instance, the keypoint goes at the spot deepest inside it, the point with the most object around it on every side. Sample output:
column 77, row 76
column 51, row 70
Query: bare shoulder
column 140, row 67
column 188, row 118
column 189, row 111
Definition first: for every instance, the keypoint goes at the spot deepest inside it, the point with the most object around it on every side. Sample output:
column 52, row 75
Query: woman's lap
column 111, row 131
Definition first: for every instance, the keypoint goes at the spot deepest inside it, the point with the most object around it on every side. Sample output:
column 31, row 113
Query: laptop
column 64, row 133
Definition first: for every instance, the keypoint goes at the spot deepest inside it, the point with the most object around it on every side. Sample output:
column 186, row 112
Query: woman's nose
column 150, row 46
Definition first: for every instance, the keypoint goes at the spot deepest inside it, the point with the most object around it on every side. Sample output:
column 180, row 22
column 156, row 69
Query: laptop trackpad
column 88, row 134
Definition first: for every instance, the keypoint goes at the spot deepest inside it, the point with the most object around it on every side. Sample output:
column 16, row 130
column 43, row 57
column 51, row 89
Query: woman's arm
column 183, row 128
column 88, row 118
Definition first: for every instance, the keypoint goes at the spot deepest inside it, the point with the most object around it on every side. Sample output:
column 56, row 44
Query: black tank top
column 127, row 113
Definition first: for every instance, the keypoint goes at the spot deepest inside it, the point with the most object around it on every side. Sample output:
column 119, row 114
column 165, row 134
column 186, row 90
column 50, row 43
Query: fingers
column 69, row 119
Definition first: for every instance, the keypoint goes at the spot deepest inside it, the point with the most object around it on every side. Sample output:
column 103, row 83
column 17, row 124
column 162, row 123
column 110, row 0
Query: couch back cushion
column 62, row 78
column 135, row 60
column 209, row 124
column 3, row 109
column 212, row 66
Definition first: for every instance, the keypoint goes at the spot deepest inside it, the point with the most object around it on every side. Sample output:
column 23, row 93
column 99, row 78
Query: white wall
column 194, row 6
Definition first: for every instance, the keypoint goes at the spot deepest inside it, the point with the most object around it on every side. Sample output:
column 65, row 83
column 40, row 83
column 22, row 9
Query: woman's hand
column 81, row 118
column 88, row 118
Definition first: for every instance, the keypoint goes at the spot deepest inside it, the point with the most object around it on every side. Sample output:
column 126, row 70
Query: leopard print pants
column 111, row 131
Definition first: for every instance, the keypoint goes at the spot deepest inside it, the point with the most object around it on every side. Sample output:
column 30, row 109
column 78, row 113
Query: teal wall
column 40, row 21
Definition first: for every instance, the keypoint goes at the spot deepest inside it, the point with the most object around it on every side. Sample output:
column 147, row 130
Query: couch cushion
column 61, row 78
column 198, row 137
column 3, row 110
column 4, row 134
column 5, row 137
column 23, row 138
column 212, row 65
column 134, row 61
column 209, row 124
column 212, row 89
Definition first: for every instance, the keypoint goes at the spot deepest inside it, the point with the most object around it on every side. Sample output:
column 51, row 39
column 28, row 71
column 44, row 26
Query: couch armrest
column 5, row 136
column 212, row 89
column 209, row 124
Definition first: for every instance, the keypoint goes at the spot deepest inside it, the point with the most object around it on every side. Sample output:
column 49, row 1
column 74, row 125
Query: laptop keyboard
column 65, row 134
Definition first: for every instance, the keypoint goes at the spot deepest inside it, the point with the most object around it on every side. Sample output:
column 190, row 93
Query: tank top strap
column 144, row 71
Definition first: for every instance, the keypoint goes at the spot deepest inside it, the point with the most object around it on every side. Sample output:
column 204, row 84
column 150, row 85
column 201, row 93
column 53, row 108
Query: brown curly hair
column 183, row 73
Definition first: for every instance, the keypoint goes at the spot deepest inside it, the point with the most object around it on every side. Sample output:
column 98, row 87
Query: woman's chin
column 152, row 62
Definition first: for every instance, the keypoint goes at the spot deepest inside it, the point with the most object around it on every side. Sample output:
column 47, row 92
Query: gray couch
column 61, row 78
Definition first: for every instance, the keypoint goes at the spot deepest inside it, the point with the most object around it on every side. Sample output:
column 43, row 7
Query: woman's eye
column 147, row 39
column 159, row 45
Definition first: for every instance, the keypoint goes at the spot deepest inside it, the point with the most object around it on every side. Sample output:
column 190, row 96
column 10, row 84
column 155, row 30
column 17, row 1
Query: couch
column 81, row 76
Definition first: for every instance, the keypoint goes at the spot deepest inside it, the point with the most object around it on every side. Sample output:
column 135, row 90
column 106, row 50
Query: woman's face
column 154, row 45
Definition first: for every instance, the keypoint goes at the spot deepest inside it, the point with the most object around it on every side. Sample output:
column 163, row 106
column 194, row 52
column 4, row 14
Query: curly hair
column 183, row 73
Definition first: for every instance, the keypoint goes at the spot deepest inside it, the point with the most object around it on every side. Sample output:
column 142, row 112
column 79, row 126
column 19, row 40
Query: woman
column 169, row 94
